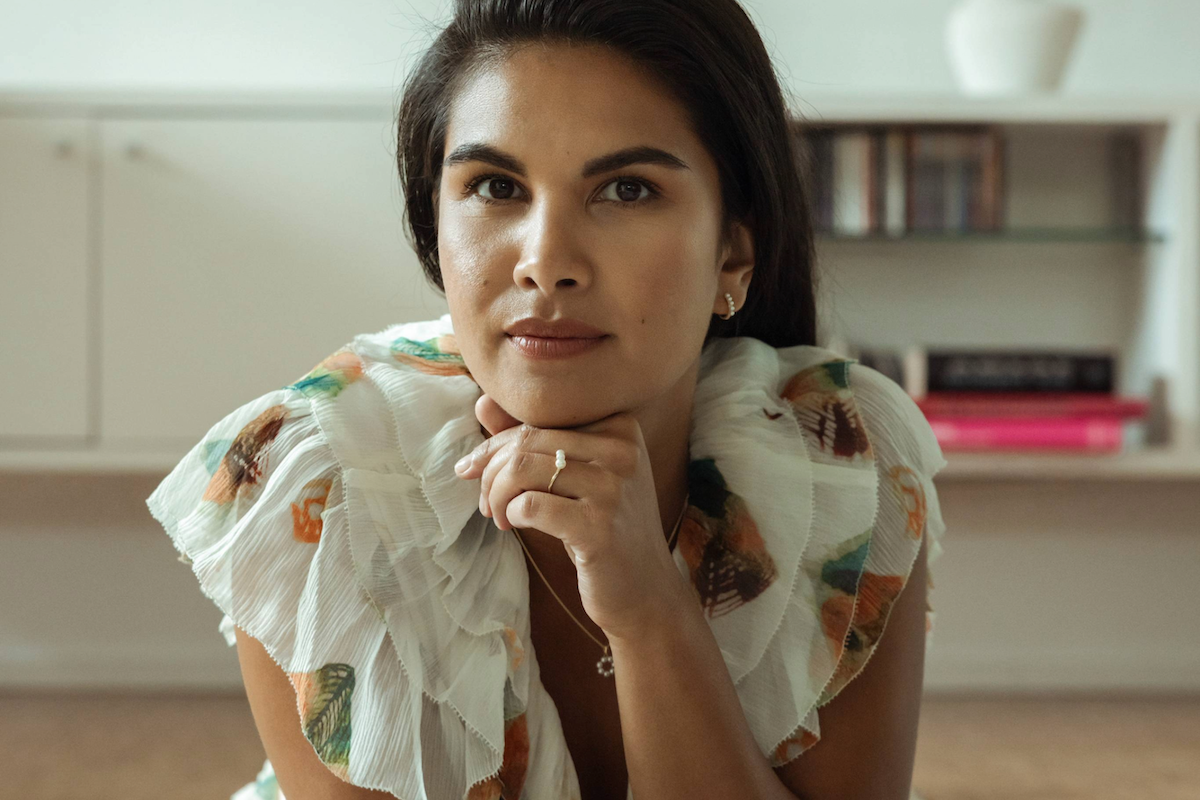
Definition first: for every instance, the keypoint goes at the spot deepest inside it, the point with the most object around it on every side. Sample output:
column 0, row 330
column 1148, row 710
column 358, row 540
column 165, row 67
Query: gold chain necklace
column 605, row 665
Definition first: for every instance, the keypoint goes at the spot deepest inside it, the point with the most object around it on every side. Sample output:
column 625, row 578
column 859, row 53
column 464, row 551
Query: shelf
column 1147, row 465
column 88, row 461
column 1150, row 465
column 1011, row 235
column 818, row 108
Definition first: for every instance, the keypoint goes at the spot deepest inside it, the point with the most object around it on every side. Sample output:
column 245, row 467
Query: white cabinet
column 237, row 253
column 47, row 284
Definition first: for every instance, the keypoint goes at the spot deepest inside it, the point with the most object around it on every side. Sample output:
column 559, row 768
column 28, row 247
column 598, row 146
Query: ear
column 737, row 266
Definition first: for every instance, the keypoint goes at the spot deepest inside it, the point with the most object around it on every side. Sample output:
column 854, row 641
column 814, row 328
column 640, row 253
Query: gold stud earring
column 732, row 311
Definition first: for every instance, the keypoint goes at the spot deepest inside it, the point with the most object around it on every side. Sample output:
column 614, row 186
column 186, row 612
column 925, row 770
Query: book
column 853, row 182
column 1021, row 400
column 895, row 170
column 868, row 180
column 1028, row 434
column 1019, row 370
column 1032, row 404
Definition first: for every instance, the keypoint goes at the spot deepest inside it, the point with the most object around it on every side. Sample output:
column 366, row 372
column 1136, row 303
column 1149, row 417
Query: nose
column 553, row 254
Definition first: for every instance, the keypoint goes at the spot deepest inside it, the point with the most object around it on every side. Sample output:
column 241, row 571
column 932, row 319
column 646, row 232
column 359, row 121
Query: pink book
column 1028, row 434
column 1032, row 404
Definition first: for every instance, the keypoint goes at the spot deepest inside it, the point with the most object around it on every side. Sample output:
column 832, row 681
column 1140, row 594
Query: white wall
column 1079, row 585
column 1145, row 46
column 1056, row 587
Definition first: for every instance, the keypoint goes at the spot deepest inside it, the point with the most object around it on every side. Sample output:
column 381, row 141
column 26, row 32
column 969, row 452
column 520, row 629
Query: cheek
column 677, row 274
column 469, row 260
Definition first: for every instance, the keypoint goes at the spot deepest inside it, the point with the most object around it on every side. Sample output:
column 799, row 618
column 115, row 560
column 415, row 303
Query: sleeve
column 259, row 510
column 257, row 482
column 858, row 581
column 907, row 457
column 255, row 509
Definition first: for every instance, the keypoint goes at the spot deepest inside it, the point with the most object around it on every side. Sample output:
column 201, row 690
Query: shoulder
column 894, row 422
column 856, row 417
column 301, row 512
column 856, row 411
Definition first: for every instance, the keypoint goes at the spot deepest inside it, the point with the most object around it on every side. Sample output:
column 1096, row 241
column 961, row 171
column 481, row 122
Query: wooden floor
column 204, row 747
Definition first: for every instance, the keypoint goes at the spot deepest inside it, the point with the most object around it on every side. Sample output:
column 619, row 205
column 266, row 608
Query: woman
column 698, row 520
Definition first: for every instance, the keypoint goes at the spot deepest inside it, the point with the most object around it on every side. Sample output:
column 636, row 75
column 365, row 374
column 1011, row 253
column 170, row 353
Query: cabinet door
column 237, row 254
column 44, row 301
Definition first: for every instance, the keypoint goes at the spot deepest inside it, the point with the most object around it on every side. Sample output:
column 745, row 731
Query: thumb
column 492, row 416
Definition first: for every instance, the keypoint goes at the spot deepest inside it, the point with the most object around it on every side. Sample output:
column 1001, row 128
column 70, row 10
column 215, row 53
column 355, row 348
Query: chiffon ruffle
column 325, row 520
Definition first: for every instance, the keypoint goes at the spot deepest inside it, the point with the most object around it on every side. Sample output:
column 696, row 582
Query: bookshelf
column 1076, row 261
column 92, row 173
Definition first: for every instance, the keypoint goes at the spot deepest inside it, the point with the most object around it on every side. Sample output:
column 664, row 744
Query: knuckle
column 524, row 434
column 625, row 459
column 597, row 514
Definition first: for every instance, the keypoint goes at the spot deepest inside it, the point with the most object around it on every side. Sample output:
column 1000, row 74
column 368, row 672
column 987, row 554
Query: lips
column 543, row 347
column 563, row 328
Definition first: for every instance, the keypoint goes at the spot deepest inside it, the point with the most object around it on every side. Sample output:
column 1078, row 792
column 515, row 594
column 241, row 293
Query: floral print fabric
column 325, row 520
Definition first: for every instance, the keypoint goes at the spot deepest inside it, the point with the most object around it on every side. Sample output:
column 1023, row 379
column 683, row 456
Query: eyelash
column 654, row 190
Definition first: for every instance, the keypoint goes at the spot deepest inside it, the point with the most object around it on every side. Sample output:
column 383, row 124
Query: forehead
column 558, row 99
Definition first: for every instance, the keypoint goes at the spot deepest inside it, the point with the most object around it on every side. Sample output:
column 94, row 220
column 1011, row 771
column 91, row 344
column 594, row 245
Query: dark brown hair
column 713, row 60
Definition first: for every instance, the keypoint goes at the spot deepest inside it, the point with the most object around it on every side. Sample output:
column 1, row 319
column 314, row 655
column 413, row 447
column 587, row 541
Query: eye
column 627, row 190
column 499, row 184
column 501, row 188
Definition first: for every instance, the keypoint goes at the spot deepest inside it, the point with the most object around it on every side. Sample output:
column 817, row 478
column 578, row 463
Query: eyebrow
column 479, row 151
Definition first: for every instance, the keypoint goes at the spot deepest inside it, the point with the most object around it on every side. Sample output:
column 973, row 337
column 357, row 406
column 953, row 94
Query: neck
column 666, row 428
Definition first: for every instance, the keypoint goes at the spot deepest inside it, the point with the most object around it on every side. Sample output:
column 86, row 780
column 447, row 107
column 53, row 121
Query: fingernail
column 464, row 464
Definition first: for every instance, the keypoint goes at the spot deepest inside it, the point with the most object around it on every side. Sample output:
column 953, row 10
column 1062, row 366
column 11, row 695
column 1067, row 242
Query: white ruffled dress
column 324, row 519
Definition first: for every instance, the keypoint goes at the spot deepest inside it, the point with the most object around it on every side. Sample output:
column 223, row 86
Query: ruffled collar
column 453, row 589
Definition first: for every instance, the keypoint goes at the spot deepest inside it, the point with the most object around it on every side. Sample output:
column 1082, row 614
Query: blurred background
column 198, row 202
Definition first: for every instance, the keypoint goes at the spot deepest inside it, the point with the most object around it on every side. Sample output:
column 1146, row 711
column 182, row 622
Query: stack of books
column 897, row 180
column 903, row 179
column 1022, row 400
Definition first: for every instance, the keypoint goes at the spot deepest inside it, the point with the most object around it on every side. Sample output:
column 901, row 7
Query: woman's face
column 532, row 222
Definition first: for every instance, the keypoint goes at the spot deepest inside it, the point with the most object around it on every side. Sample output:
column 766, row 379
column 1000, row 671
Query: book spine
column 896, row 183
column 998, row 157
column 1082, row 434
column 849, row 183
column 1017, row 371
column 987, row 183
column 952, row 182
column 1035, row 404
column 919, row 179
column 915, row 361
column 873, row 154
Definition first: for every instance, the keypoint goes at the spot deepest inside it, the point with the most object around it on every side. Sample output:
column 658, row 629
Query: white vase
column 1011, row 47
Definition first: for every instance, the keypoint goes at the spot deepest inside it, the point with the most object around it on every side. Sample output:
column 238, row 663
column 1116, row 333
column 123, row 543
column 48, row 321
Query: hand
column 603, row 507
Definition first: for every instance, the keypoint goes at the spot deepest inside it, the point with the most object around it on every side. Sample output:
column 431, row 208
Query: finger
column 506, row 481
column 492, row 416
column 473, row 463
column 549, row 513
column 610, row 450
column 488, row 478
column 524, row 472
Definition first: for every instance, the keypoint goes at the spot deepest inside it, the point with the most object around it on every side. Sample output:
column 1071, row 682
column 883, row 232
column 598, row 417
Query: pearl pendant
column 605, row 666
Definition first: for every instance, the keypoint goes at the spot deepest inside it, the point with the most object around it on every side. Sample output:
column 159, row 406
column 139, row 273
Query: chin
column 549, row 409
column 557, row 417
